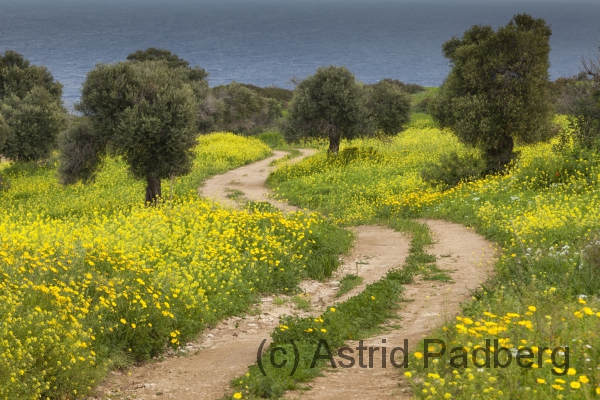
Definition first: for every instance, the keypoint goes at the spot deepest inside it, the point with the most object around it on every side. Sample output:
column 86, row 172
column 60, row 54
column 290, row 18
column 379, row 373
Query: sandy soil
column 204, row 368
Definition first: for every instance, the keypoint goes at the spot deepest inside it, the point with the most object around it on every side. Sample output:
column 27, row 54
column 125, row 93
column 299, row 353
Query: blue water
column 267, row 42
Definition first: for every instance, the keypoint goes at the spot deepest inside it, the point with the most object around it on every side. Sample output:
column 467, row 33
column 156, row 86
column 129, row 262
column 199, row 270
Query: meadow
column 543, row 211
column 92, row 279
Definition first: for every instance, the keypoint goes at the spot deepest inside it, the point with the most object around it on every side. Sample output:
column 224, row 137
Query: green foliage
column 389, row 107
column 18, row 77
column 173, row 61
column 4, row 184
column 272, row 92
column 497, row 90
column 423, row 105
column 4, row 131
column 242, row 110
column 80, row 148
column 453, row 168
column 347, row 283
column 144, row 112
column 31, row 110
column 272, row 139
column 34, row 121
column 410, row 88
column 328, row 104
column 585, row 107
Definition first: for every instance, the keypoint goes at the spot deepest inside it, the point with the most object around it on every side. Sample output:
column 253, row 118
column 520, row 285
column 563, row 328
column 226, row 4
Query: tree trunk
column 499, row 157
column 334, row 143
column 153, row 190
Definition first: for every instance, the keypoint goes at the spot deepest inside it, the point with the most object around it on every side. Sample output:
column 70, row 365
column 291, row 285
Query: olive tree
column 31, row 110
column 497, row 90
column 329, row 103
column 389, row 107
column 144, row 112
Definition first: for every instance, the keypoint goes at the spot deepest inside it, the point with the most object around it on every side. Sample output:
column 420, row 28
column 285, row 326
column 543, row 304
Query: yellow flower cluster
column 368, row 175
column 87, row 272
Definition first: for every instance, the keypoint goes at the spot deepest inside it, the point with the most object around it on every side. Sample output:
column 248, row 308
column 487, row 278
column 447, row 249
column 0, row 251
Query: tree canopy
column 332, row 104
column 142, row 111
column 329, row 103
column 389, row 106
column 31, row 110
column 172, row 60
column 497, row 90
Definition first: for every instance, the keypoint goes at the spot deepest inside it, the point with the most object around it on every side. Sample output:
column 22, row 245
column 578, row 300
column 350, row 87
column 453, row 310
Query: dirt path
column 470, row 258
column 205, row 367
column 248, row 182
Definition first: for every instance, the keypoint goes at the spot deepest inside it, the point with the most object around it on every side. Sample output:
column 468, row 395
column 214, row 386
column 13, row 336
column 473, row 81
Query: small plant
column 272, row 139
column 279, row 301
column 301, row 302
column 348, row 282
column 589, row 268
column 234, row 194
column 261, row 206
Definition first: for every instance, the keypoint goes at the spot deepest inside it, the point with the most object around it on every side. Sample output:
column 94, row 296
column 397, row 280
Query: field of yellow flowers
column 544, row 212
column 91, row 278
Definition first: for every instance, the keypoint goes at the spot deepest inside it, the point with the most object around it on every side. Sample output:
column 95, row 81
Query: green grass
column 347, row 283
column 430, row 91
column 301, row 302
column 234, row 194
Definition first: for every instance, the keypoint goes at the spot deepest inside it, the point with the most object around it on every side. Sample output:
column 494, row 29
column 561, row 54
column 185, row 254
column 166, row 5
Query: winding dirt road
column 205, row 367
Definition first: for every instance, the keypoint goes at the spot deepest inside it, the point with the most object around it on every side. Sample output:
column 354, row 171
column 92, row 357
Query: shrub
column 410, row 88
column 423, row 105
column 544, row 171
column 454, row 168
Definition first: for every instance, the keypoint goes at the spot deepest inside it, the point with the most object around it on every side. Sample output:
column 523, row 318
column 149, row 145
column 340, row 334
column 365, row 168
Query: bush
column 547, row 170
column 454, row 168
column 242, row 110
column 410, row 88
column 272, row 139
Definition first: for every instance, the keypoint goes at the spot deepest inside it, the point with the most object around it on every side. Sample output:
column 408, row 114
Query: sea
column 270, row 42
